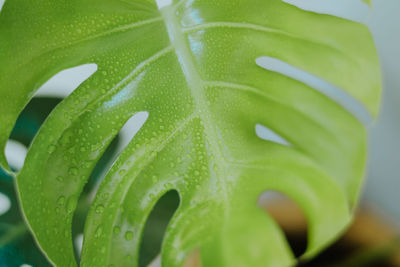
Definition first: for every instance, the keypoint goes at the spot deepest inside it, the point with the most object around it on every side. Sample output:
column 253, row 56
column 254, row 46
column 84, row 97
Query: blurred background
column 373, row 239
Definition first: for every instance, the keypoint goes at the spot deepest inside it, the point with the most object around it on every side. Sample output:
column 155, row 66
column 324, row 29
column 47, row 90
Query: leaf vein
column 255, row 27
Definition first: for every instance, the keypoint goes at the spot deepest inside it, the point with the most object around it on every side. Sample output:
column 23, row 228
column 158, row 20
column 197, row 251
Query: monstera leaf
column 17, row 246
column 192, row 66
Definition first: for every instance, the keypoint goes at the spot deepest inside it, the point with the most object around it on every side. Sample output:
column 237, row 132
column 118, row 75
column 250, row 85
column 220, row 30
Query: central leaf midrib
column 195, row 83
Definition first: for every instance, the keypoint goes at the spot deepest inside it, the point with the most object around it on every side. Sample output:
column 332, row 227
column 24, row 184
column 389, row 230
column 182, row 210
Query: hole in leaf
column 27, row 125
column 131, row 128
column 9, row 209
column 37, row 110
column 78, row 242
column 355, row 10
column 46, row 98
column 126, row 134
column 15, row 154
column 163, row 3
column 289, row 217
column 156, row 262
column 32, row 117
column 156, row 225
column 336, row 94
column 89, row 191
column 267, row 134
column 5, row 204
column 66, row 81
column 103, row 165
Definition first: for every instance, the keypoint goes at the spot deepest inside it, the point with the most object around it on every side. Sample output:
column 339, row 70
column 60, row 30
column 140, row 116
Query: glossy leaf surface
column 17, row 245
column 191, row 66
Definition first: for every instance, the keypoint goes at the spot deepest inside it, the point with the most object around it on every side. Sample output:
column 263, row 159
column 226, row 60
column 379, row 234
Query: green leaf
column 368, row 2
column 191, row 66
column 17, row 245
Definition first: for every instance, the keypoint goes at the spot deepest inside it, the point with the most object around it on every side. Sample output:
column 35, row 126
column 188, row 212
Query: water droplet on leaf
column 51, row 149
column 71, row 204
column 98, row 232
column 99, row 209
column 61, row 200
column 73, row 171
column 117, row 230
column 128, row 235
